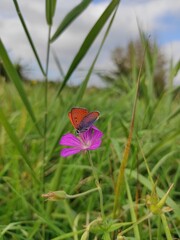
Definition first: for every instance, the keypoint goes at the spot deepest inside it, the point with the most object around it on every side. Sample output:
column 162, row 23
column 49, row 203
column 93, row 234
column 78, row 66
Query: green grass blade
column 174, row 114
column 82, row 89
column 162, row 161
column 176, row 68
column 58, row 64
column 145, row 182
column 120, row 178
column 50, row 10
column 13, row 75
column 70, row 17
column 132, row 211
column 166, row 227
column 17, row 143
column 89, row 40
column 106, row 236
column 9, row 227
column 28, row 35
column 68, row 235
column 166, row 140
column 39, row 211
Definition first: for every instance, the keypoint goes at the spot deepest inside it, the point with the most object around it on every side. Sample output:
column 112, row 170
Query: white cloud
column 148, row 13
column 172, row 50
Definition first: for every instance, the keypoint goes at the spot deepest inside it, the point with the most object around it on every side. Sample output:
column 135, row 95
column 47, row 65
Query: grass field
column 125, row 189
column 26, row 215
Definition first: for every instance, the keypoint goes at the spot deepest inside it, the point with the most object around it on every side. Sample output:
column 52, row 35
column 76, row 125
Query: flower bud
column 55, row 196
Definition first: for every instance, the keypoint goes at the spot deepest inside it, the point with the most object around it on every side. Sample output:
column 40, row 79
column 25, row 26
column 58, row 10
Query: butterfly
column 82, row 119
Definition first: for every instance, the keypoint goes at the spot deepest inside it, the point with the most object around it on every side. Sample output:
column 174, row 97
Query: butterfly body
column 82, row 119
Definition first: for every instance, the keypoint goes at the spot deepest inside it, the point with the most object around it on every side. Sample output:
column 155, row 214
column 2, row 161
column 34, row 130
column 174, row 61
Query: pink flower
column 89, row 140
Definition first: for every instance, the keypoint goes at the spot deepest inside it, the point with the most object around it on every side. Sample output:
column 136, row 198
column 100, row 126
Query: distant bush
column 21, row 69
column 127, row 62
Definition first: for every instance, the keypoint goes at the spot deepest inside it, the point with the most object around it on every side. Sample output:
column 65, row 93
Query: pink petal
column 86, row 136
column 97, row 130
column 69, row 151
column 91, row 134
column 96, row 144
column 96, row 135
column 96, row 139
column 70, row 140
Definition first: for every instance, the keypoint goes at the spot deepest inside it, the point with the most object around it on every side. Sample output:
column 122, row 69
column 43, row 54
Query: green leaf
column 28, row 35
column 176, row 68
column 116, row 226
column 82, row 89
column 174, row 114
column 50, row 10
column 145, row 182
column 10, row 226
column 13, row 75
column 72, row 15
column 58, row 64
column 106, row 236
column 108, row 226
column 38, row 210
column 17, row 143
column 132, row 211
column 89, row 40
column 166, row 140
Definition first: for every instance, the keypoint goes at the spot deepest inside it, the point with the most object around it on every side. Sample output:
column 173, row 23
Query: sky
column 158, row 18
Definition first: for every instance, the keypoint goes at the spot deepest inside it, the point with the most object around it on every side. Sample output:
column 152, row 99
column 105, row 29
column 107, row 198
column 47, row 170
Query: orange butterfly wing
column 76, row 115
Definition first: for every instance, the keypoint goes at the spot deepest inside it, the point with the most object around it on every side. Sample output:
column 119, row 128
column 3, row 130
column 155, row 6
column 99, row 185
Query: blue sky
column 158, row 18
column 172, row 31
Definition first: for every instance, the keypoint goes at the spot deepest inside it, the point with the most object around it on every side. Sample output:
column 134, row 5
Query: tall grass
column 33, row 118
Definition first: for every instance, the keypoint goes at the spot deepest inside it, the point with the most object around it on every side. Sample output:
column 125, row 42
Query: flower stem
column 97, row 184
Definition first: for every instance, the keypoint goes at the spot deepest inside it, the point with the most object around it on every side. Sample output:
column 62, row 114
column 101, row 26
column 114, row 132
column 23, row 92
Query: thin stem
column 45, row 120
column 159, row 228
column 82, row 194
column 149, row 215
column 97, row 184
column 46, row 103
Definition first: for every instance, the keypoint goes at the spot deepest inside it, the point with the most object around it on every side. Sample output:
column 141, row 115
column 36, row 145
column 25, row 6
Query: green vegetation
column 24, row 213
column 127, row 62
column 33, row 118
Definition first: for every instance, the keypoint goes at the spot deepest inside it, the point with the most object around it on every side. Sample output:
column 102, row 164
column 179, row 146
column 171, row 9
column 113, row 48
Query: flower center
column 85, row 144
